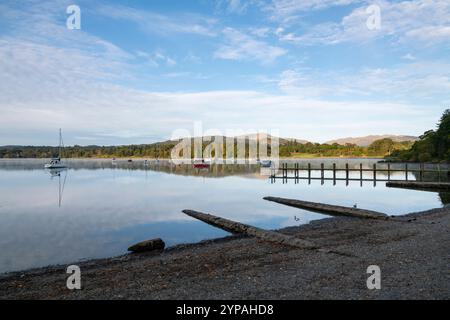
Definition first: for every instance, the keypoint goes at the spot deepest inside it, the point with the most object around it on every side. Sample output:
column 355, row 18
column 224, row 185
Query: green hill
column 433, row 145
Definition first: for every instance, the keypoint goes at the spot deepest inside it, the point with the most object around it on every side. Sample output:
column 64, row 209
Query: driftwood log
column 265, row 235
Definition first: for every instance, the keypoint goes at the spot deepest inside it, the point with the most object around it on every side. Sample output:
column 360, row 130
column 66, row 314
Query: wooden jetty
column 265, row 235
column 378, row 173
column 427, row 186
column 330, row 209
column 333, row 210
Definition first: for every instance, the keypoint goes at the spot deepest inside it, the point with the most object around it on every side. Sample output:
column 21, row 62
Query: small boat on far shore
column 201, row 164
column 266, row 163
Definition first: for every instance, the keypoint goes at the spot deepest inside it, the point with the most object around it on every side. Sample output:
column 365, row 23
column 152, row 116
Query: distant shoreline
column 166, row 159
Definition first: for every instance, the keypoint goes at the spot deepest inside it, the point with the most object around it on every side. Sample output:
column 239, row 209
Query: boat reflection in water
column 56, row 173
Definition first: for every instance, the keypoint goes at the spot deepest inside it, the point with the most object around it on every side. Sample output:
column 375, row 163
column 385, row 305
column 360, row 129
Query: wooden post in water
column 309, row 172
column 374, row 172
column 360, row 172
column 406, row 171
column 322, row 175
column 296, row 173
column 334, row 173
column 346, row 172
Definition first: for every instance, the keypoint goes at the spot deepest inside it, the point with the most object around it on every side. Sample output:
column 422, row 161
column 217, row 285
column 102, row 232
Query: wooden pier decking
column 427, row 186
column 378, row 173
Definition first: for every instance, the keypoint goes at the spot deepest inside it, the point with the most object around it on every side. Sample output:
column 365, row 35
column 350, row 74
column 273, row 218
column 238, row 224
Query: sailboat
column 56, row 163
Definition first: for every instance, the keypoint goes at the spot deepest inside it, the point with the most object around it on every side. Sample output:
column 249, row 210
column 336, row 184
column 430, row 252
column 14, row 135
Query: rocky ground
column 414, row 258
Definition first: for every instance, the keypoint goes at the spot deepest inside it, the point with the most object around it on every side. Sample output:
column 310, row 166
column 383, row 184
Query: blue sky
column 137, row 71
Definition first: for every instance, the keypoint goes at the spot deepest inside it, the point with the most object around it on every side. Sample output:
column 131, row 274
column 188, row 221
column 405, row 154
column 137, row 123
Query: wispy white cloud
column 415, row 21
column 237, row 6
column 156, row 58
column 409, row 57
column 288, row 10
column 31, row 101
column 430, row 34
column 158, row 23
column 51, row 77
column 240, row 46
column 261, row 32
column 424, row 82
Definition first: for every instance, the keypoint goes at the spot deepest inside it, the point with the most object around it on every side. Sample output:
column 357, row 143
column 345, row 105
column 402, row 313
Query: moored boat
column 201, row 164
column 56, row 163
column 266, row 163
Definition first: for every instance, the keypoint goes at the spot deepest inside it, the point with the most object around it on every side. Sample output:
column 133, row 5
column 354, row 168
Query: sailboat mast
column 60, row 143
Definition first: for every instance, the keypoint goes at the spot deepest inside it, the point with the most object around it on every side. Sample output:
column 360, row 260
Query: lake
column 98, row 209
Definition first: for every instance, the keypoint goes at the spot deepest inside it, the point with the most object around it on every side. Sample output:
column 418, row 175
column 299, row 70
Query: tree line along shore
column 379, row 148
column 432, row 146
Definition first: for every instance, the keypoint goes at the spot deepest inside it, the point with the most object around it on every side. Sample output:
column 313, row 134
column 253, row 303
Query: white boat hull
column 54, row 166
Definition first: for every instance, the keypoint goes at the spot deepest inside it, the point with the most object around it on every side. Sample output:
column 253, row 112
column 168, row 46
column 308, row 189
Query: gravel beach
column 414, row 258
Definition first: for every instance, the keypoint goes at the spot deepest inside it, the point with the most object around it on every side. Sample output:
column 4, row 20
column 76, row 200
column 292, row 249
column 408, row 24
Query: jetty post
column 309, row 172
column 334, row 173
column 419, row 170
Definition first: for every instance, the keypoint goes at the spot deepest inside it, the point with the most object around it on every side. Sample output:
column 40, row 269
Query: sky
column 146, row 71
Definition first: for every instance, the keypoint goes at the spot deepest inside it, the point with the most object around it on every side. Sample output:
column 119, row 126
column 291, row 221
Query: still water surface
column 97, row 209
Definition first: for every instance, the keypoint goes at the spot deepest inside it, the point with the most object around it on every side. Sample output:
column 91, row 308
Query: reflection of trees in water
column 432, row 176
column 445, row 197
column 231, row 169
column 139, row 165
column 218, row 170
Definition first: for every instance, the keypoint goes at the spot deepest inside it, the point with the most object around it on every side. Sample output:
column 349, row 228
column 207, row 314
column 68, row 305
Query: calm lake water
column 97, row 209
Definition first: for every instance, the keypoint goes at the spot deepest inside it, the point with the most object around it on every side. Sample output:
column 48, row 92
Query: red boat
column 201, row 164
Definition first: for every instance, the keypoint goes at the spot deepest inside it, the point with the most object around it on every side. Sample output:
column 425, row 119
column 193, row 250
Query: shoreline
column 166, row 159
column 380, row 159
column 413, row 258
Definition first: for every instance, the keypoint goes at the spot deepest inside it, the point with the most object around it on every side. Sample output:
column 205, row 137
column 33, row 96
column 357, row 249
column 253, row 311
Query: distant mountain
column 367, row 140
column 256, row 136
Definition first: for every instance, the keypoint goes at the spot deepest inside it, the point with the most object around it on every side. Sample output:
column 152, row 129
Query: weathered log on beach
column 269, row 236
column 148, row 245
column 330, row 209
column 430, row 186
